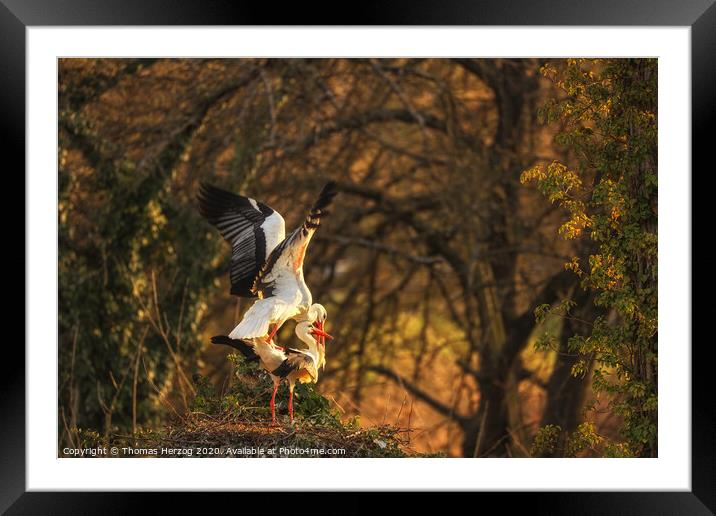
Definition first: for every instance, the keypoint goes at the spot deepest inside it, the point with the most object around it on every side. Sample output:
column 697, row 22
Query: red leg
column 290, row 405
column 273, row 333
column 273, row 406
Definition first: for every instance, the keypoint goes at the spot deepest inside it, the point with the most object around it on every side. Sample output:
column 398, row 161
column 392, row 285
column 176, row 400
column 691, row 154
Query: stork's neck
column 306, row 297
column 302, row 333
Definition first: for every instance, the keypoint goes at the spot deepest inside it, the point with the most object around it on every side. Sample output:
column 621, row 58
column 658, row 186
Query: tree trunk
column 567, row 393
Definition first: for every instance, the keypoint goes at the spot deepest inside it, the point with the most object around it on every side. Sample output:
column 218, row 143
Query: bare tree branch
column 438, row 406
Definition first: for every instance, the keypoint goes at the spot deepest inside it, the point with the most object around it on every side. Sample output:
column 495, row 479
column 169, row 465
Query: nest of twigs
column 227, row 435
column 237, row 424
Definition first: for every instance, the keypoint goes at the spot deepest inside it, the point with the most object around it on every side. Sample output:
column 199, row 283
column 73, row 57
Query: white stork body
column 295, row 365
column 264, row 264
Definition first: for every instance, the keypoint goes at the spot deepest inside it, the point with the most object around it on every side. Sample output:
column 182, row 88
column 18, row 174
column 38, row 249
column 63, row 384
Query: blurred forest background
column 489, row 267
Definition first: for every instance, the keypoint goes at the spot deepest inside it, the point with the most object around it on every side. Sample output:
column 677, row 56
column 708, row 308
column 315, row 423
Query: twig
column 478, row 443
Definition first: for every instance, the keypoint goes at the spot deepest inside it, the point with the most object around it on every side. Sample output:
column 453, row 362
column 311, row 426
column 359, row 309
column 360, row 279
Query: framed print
column 425, row 247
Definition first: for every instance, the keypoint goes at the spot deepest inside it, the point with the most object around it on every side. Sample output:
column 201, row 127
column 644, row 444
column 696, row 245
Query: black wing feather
column 295, row 361
column 240, row 223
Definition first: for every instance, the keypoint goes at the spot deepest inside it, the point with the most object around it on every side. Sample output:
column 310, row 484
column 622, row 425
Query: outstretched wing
column 252, row 228
column 285, row 263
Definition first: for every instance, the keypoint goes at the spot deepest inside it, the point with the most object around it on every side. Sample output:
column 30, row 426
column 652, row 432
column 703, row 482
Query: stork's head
column 307, row 331
column 317, row 313
column 320, row 321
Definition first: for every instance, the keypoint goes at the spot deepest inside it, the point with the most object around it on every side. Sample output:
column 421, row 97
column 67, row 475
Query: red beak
column 319, row 332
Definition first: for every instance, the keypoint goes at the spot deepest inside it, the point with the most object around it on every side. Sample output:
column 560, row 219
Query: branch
column 436, row 242
column 465, row 366
column 522, row 325
column 370, row 244
column 419, row 393
column 401, row 95
column 365, row 118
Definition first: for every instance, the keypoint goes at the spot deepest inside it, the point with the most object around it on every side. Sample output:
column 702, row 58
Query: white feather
column 287, row 281
column 256, row 321
column 271, row 356
column 274, row 228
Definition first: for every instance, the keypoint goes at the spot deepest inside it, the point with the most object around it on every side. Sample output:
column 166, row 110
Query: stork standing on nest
column 264, row 262
column 295, row 365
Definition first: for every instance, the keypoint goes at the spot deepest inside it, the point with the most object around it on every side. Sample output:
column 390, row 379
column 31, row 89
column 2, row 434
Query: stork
column 265, row 263
column 292, row 364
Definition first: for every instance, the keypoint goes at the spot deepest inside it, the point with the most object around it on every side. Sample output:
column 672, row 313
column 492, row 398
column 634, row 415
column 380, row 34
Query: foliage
column 545, row 442
column 551, row 440
column 131, row 275
column 608, row 117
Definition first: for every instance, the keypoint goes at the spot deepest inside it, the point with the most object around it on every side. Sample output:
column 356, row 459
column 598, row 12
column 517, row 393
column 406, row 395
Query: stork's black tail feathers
column 244, row 348
column 318, row 210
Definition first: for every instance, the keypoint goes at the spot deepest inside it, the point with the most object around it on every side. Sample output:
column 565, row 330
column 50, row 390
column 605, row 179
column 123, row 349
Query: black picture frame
column 17, row 15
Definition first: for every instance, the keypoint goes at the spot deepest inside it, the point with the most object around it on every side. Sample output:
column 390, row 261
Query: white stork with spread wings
column 265, row 263
column 295, row 365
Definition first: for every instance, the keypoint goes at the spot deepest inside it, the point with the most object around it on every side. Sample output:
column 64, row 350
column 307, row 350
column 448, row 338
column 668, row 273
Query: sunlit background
column 431, row 264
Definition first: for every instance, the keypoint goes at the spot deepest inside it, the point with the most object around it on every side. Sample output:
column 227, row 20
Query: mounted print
column 358, row 257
